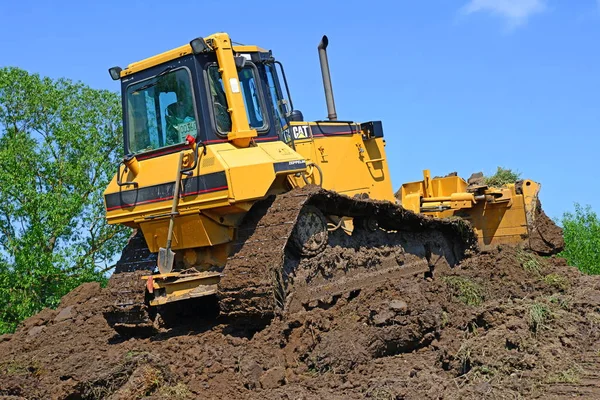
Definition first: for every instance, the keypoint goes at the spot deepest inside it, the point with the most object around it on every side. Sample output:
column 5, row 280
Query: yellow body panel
column 204, row 219
column 189, row 231
column 350, row 164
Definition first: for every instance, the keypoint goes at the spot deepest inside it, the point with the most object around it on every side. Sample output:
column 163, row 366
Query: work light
column 115, row 73
column 199, row 46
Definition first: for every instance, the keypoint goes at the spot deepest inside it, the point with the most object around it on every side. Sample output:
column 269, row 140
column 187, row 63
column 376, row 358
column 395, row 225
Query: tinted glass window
column 219, row 100
column 276, row 98
column 250, row 94
column 251, row 98
column 160, row 111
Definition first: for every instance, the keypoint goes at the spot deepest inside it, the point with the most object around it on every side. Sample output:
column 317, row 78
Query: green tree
column 582, row 239
column 502, row 177
column 59, row 146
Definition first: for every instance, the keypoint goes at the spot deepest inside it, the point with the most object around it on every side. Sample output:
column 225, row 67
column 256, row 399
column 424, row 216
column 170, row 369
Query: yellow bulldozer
column 234, row 196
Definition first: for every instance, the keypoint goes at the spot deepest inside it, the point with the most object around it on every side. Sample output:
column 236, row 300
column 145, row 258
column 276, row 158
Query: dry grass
column 467, row 291
column 557, row 281
column 177, row 392
column 539, row 315
column 464, row 357
column 571, row 375
column 530, row 262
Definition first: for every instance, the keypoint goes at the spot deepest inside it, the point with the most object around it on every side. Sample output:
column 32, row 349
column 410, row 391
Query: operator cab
column 169, row 97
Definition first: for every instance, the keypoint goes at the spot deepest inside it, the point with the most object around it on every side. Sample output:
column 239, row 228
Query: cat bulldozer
column 234, row 196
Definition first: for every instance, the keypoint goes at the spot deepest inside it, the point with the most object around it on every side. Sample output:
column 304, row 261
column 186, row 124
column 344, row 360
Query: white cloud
column 515, row 11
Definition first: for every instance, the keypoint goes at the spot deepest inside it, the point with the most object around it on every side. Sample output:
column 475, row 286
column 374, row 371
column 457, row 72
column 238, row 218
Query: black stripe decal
column 330, row 130
column 208, row 183
column 289, row 166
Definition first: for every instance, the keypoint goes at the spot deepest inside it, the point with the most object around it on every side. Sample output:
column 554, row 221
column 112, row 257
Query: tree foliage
column 59, row 145
column 502, row 177
column 582, row 239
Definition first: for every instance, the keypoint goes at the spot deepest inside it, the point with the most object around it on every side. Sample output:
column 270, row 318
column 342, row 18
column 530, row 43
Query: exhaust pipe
column 331, row 114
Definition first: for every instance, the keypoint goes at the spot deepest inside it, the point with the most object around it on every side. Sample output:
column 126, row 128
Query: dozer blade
column 511, row 214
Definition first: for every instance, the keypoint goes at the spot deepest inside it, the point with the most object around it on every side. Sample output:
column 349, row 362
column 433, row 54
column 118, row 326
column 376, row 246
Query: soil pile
column 502, row 324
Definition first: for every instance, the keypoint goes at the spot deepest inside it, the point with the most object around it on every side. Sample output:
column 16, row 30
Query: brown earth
column 503, row 324
column 545, row 237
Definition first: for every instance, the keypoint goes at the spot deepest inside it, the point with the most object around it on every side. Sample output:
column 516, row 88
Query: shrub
column 581, row 230
column 502, row 177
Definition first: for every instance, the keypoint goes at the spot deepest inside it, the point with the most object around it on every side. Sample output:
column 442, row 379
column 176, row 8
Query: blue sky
column 460, row 85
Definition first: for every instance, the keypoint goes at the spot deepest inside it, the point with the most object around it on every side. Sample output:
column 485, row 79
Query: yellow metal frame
column 498, row 215
column 240, row 134
column 179, row 52
column 175, row 286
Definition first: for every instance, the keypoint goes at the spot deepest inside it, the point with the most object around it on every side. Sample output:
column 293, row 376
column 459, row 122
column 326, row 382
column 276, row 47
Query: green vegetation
column 582, row 239
column 466, row 290
column 59, row 145
column 502, row 177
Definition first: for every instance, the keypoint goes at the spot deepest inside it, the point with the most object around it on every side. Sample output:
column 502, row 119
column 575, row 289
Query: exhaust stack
column 331, row 114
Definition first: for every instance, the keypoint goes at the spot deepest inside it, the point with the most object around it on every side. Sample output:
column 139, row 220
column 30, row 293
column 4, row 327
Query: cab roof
column 177, row 53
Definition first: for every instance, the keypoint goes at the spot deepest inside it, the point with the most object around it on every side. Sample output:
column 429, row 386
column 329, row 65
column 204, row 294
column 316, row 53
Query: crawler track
column 263, row 277
column 129, row 315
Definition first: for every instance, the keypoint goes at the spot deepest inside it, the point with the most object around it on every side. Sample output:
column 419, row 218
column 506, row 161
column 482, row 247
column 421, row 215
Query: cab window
column 276, row 97
column 250, row 93
column 160, row 111
column 219, row 100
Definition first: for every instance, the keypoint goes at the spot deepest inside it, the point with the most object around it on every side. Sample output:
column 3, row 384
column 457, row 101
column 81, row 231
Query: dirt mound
column 503, row 324
column 545, row 237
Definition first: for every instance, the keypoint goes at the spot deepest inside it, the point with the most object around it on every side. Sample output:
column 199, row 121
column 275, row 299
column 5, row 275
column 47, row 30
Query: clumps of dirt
column 545, row 237
column 476, row 180
column 505, row 323
column 140, row 375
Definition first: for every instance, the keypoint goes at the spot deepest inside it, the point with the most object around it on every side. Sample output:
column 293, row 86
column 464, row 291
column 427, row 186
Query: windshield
column 160, row 111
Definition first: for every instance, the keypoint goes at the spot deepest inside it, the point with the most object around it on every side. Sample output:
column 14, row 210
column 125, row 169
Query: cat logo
column 300, row 132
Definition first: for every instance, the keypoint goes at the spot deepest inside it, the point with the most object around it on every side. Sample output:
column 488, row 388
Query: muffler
column 331, row 114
